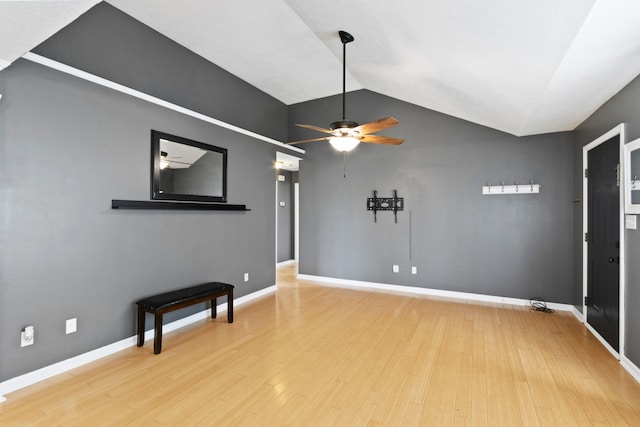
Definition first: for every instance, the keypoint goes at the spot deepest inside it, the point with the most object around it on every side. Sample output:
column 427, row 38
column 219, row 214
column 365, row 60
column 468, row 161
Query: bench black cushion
column 169, row 299
column 180, row 298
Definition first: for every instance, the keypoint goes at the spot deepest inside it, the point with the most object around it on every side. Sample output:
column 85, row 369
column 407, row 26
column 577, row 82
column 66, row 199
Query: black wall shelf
column 185, row 206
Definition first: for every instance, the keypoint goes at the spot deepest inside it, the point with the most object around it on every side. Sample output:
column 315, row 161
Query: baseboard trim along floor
column 434, row 292
column 41, row 374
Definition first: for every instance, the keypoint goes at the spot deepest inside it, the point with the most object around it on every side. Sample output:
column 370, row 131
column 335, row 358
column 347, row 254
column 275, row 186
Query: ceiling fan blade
column 376, row 125
column 378, row 139
column 319, row 129
column 324, row 138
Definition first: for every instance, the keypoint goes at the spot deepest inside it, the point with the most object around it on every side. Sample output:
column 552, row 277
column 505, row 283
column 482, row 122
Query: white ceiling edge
column 262, row 42
column 600, row 55
column 486, row 62
column 26, row 24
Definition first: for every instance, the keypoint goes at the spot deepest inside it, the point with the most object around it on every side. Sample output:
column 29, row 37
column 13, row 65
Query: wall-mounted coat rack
column 376, row 204
column 516, row 188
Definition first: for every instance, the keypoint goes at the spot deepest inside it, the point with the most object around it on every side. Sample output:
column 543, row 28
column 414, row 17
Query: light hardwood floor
column 317, row 355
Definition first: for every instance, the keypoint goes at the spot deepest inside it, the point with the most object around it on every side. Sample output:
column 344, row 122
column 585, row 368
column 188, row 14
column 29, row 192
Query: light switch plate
column 71, row 325
column 630, row 222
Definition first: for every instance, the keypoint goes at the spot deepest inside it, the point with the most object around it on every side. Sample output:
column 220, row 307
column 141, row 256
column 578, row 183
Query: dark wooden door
column 603, row 274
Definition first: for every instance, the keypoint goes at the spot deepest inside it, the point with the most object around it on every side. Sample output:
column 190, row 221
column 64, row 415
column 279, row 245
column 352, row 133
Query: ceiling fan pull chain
column 344, row 164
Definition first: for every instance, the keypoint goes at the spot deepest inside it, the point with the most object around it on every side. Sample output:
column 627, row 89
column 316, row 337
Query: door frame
column 296, row 223
column 292, row 164
column 620, row 131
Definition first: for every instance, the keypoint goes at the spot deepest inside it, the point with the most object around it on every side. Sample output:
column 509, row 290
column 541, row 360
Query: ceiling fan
column 344, row 135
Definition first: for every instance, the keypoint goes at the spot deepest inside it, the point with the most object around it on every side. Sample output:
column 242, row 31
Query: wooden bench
column 180, row 298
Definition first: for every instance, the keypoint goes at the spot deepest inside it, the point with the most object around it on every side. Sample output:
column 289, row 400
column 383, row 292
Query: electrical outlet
column 414, row 270
column 396, row 268
column 246, row 277
column 27, row 336
column 71, row 325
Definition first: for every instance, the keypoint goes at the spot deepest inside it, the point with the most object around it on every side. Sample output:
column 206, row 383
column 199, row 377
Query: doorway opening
column 287, row 194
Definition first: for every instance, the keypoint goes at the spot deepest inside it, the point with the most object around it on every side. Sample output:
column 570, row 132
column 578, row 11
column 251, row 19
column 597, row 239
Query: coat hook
column 531, row 184
column 517, row 186
column 503, row 186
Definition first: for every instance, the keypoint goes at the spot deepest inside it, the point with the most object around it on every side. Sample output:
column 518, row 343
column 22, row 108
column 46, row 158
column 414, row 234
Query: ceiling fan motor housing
column 343, row 124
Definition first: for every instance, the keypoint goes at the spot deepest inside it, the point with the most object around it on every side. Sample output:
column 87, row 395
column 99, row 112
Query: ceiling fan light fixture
column 344, row 144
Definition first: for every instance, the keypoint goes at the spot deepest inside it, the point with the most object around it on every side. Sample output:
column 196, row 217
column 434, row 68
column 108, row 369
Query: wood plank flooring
column 312, row 354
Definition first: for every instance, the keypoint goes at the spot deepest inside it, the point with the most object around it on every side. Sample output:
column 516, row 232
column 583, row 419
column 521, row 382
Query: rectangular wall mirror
column 632, row 177
column 183, row 169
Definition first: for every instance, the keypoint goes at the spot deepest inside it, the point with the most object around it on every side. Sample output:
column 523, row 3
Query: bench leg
column 230, row 306
column 141, row 315
column 214, row 308
column 157, row 341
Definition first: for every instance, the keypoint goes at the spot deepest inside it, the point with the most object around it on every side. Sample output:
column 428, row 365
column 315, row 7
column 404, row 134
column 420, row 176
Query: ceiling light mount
column 345, row 37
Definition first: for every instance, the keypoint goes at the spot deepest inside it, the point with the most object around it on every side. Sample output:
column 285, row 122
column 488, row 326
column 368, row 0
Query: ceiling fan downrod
column 345, row 38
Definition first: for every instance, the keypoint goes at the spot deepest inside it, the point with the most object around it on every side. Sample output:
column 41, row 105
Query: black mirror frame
column 156, row 194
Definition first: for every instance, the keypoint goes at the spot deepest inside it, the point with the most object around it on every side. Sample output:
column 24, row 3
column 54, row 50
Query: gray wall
column 110, row 44
column 513, row 246
column 623, row 108
column 67, row 147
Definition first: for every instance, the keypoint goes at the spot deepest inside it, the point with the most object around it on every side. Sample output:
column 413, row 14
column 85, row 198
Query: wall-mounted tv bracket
column 376, row 204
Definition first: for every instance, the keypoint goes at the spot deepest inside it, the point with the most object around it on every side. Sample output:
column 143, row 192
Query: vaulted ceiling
column 523, row 67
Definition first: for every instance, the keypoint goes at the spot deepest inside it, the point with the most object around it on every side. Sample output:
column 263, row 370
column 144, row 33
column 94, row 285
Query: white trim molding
column 47, row 372
column 431, row 292
column 39, row 59
column 633, row 369
column 577, row 313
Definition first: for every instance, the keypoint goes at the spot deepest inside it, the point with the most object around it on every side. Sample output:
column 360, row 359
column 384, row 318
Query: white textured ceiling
column 25, row 24
column 524, row 67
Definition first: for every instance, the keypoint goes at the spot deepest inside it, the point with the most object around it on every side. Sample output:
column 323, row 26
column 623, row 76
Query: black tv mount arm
column 394, row 204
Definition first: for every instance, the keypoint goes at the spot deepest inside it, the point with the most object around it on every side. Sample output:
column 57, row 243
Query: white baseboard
column 285, row 263
column 630, row 367
column 577, row 313
column 604, row 342
column 431, row 292
column 41, row 374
